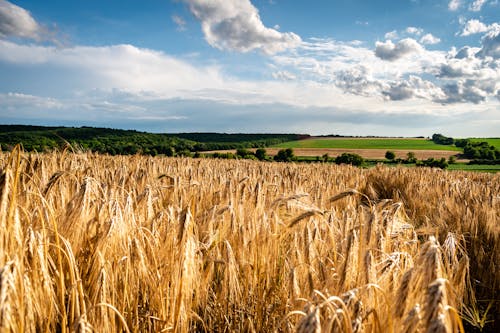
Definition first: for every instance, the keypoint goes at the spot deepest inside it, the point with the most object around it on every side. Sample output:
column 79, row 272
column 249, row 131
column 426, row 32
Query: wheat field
column 92, row 243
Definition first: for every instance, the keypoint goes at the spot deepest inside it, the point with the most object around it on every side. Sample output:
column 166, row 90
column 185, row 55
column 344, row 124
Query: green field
column 474, row 167
column 368, row 143
column 491, row 141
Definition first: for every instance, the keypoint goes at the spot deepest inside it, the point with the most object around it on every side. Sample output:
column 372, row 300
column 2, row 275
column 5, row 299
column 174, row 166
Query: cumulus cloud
column 236, row 25
column 466, row 52
column 472, row 74
column 457, row 68
column 391, row 35
column 463, row 91
column 474, row 27
column 389, row 51
column 429, row 39
column 358, row 80
column 414, row 86
column 453, row 5
column 476, row 5
column 469, row 75
column 414, row 31
column 284, row 75
column 18, row 22
column 491, row 42
column 130, row 87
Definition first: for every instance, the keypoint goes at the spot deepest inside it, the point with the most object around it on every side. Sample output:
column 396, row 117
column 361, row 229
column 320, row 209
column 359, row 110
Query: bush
column 184, row 153
column 349, row 158
column 432, row 163
column 442, row 140
column 261, row 154
column 461, row 142
column 410, row 157
column 390, row 155
column 485, row 162
column 481, row 150
column 243, row 153
column 285, row 155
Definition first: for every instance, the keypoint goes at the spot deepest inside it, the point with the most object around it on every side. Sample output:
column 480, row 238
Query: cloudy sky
column 352, row 67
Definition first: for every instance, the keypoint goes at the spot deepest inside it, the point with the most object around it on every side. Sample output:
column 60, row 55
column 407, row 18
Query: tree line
column 129, row 142
column 478, row 152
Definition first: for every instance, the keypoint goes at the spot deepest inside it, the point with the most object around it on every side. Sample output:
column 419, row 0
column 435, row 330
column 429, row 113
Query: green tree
column 285, row 155
column 261, row 154
column 442, row 140
column 349, row 158
column 390, row 155
column 410, row 157
column 242, row 152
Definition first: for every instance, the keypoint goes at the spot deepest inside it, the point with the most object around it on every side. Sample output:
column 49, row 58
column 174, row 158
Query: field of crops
column 367, row 143
column 491, row 141
column 92, row 243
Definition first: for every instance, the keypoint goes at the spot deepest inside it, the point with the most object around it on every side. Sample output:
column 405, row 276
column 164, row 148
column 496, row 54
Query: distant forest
column 126, row 142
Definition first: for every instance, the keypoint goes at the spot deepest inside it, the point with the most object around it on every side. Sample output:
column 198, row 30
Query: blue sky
column 358, row 67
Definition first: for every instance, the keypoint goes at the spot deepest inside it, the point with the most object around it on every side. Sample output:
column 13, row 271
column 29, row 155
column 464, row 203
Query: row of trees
column 477, row 151
column 129, row 142
column 288, row 155
column 284, row 155
column 411, row 159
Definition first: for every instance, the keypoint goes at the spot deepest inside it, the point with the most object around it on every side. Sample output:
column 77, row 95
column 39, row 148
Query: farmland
column 137, row 243
column 491, row 141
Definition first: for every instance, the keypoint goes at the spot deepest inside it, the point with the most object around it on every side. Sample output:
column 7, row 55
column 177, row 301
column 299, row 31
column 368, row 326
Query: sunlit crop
column 150, row 244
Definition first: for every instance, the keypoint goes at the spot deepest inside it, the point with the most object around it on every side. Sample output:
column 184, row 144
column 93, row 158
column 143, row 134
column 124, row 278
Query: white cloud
column 414, row 31
column 476, row 5
column 429, row 39
column 284, row 75
column 473, row 74
column 10, row 101
column 414, row 86
column 474, row 27
column 18, row 22
column 453, row 5
column 463, row 91
column 180, row 22
column 129, row 87
column 123, row 67
column 491, row 42
column 236, row 25
column 358, row 80
column 391, row 35
column 389, row 51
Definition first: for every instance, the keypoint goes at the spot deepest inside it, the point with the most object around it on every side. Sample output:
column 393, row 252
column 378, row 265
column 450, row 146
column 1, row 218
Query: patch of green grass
column 368, row 143
column 474, row 167
column 491, row 141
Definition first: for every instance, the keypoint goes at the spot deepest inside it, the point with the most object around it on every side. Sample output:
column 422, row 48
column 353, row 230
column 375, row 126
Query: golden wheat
column 93, row 243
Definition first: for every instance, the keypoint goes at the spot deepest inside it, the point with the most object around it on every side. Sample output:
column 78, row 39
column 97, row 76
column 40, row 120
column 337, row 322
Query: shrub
column 390, row 155
column 442, row 140
column 261, row 154
column 285, row 155
column 410, row 157
column 433, row 163
column 349, row 158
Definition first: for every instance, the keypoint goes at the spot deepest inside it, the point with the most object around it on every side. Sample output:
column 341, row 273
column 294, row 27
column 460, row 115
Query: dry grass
column 142, row 244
